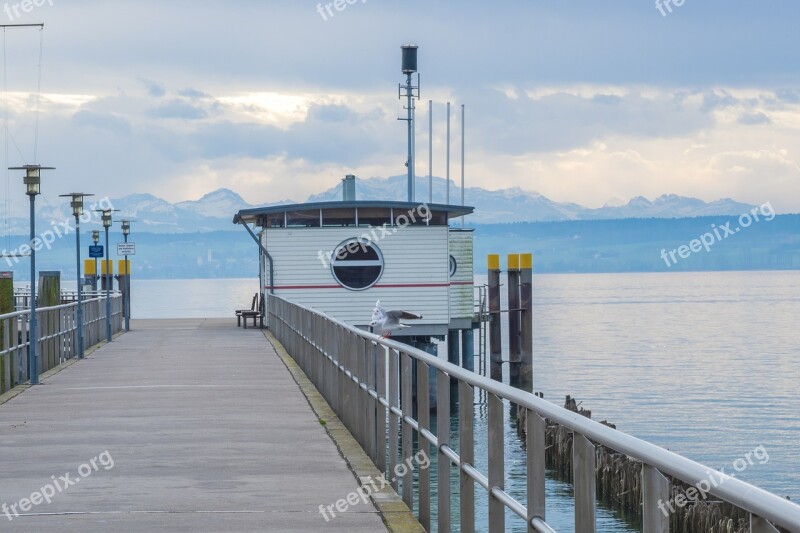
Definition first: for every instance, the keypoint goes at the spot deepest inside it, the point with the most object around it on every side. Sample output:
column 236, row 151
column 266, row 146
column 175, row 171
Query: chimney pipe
column 349, row 188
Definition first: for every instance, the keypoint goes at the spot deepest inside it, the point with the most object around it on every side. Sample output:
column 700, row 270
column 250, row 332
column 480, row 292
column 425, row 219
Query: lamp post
column 33, row 181
column 95, row 241
column 77, row 211
column 126, row 230
column 107, row 224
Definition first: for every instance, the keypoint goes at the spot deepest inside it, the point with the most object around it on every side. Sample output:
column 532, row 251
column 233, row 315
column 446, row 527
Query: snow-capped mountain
column 215, row 210
column 516, row 205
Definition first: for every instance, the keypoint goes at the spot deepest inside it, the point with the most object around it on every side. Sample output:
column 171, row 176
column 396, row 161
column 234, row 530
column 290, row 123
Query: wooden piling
column 495, row 341
column 48, row 295
column 6, row 306
column 526, row 321
column 619, row 482
column 514, row 321
column 468, row 349
column 106, row 274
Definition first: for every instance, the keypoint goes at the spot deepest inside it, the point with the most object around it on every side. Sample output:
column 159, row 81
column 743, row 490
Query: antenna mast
column 410, row 91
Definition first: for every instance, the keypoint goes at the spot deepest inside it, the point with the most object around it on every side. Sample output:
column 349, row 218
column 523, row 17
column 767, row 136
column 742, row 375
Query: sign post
column 126, row 248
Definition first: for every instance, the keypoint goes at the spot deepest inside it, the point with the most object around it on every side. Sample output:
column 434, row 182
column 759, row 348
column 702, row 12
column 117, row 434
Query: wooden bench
column 254, row 312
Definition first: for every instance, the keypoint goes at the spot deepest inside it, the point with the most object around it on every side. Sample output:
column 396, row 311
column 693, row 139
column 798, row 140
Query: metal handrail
column 343, row 352
column 56, row 339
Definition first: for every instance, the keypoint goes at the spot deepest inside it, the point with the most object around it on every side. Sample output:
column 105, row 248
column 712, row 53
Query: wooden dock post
column 514, row 320
column 90, row 273
column 526, row 304
column 468, row 349
column 107, row 274
column 48, row 295
column 495, row 341
column 6, row 306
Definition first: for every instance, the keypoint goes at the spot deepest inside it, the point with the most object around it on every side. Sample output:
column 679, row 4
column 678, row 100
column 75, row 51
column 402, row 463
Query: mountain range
column 215, row 210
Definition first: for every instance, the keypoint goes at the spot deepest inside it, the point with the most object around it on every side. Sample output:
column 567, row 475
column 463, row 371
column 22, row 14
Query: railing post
column 369, row 403
column 535, row 448
column 443, row 437
column 655, row 494
column 583, row 460
column 394, row 420
column 381, row 416
column 424, row 419
column 497, row 517
column 406, row 401
column 357, row 406
column 466, row 414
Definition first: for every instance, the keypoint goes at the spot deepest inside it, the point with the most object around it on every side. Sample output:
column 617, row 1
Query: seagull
column 385, row 322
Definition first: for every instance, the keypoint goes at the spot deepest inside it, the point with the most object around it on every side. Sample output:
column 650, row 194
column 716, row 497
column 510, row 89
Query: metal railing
column 22, row 297
column 367, row 380
column 57, row 342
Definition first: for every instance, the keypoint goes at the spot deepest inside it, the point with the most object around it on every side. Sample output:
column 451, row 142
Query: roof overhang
column 255, row 215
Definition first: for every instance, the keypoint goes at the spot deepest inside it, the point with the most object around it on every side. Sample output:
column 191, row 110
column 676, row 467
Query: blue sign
column 95, row 252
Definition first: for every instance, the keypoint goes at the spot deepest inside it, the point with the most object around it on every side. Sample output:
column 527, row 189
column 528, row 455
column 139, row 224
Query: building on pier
column 341, row 257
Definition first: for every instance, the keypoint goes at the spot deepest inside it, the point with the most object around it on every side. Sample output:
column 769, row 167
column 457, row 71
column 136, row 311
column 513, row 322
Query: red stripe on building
column 378, row 286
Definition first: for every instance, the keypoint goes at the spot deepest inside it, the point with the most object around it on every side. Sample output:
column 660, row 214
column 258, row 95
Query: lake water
column 703, row 364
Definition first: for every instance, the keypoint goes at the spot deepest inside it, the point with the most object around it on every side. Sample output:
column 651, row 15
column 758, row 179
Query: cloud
column 103, row 121
column 580, row 101
column 154, row 89
column 179, row 110
column 754, row 119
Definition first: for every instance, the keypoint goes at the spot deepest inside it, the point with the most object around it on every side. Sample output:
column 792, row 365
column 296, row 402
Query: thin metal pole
column 413, row 151
column 463, row 130
column 410, row 162
column 430, row 151
column 33, row 339
column 447, row 196
column 108, row 291
column 80, row 290
column 127, row 291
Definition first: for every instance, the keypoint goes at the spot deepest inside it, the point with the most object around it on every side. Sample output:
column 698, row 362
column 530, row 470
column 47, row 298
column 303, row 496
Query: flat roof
column 252, row 216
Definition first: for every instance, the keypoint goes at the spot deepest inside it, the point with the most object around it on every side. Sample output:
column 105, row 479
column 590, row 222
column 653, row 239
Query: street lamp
column 33, row 181
column 107, row 224
column 126, row 230
column 95, row 241
column 77, row 211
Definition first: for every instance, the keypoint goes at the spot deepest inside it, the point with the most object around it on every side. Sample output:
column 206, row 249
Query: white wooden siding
column 462, row 296
column 412, row 256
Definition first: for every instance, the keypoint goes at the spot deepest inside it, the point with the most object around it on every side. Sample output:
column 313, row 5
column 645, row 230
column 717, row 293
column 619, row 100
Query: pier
column 208, row 431
column 196, row 424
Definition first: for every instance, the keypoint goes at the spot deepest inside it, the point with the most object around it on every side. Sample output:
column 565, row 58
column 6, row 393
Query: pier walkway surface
column 179, row 425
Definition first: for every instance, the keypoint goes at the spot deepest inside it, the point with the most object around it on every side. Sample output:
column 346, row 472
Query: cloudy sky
column 581, row 101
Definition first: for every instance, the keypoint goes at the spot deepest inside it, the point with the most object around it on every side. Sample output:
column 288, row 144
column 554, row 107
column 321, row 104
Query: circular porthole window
column 357, row 264
column 453, row 266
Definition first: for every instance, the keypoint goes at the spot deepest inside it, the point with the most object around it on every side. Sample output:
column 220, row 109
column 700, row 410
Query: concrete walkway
column 204, row 426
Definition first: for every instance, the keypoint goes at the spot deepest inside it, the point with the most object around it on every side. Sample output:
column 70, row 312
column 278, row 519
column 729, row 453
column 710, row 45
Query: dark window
column 357, row 264
column 275, row 221
column 453, row 266
column 338, row 217
column 374, row 216
column 303, row 219
column 438, row 218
